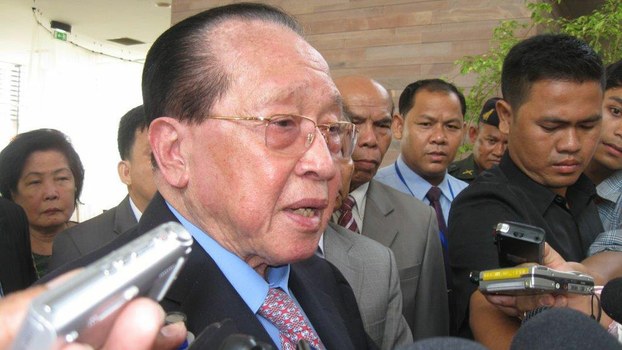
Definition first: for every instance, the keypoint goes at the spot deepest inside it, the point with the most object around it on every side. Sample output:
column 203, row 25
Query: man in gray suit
column 135, row 172
column 396, row 220
column 370, row 269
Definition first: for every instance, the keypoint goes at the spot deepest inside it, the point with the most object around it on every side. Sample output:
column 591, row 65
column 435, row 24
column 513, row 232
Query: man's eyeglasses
column 292, row 134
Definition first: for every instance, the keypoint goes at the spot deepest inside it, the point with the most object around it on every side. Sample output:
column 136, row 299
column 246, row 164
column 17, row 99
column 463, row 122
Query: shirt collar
column 420, row 186
column 359, row 193
column 609, row 189
column 320, row 246
column 137, row 213
column 578, row 194
column 247, row 282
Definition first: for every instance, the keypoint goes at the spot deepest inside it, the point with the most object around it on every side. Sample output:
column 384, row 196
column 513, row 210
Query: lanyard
column 399, row 174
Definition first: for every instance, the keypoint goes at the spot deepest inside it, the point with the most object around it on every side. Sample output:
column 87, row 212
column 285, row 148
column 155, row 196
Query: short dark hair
column 407, row 98
column 183, row 75
column 130, row 123
column 614, row 75
column 548, row 56
column 13, row 158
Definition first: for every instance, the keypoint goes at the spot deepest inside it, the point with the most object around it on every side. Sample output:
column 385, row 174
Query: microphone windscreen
column 224, row 336
column 563, row 328
column 214, row 335
column 443, row 343
column 611, row 299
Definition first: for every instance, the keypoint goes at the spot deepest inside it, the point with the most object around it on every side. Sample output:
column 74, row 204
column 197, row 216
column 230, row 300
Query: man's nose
column 499, row 149
column 317, row 161
column 366, row 137
column 570, row 142
column 439, row 135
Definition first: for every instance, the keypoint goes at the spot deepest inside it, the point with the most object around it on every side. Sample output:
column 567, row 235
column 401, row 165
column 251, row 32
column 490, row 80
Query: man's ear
column 397, row 126
column 504, row 111
column 123, row 168
column 473, row 133
column 165, row 137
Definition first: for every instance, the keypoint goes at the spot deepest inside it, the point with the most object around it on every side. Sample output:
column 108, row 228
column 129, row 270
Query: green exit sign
column 60, row 35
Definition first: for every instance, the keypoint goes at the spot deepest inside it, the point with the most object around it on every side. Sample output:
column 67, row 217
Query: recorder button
column 71, row 337
column 118, row 264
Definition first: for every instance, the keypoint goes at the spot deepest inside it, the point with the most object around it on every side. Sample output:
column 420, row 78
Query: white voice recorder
column 84, row 307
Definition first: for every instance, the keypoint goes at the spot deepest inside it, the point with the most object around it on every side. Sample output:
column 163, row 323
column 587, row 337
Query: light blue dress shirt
column 247, row 282
column 417, row 186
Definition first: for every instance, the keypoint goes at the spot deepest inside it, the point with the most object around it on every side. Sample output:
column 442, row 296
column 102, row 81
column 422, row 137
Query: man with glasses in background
column 245, row 135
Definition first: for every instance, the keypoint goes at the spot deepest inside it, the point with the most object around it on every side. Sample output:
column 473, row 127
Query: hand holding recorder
column 517, row 304
column 90, row 306
column 138, row 326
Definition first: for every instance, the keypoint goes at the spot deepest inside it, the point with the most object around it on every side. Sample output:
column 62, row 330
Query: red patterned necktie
column 282, row 311
column 346, row 219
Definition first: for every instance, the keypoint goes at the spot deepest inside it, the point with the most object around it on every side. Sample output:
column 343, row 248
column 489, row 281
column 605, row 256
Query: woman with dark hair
column 40, row 171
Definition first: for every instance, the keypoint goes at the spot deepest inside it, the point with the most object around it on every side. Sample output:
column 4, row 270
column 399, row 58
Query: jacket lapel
column 338, row 250
column 124, row 218
column 201, row 291
column 317, row 305
column 378, row 222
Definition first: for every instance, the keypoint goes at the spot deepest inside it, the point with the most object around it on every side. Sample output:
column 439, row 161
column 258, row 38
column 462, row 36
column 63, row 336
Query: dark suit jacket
column 203, row 293
column 17, row 270
column 92, row 234
column 409, row 227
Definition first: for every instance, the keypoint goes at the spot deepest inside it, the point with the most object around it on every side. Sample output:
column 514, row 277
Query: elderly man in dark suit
column 135, row 172
column 245, row 134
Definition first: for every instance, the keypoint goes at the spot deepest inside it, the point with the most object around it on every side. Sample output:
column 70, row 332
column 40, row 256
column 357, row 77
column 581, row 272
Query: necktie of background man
column 346, row 219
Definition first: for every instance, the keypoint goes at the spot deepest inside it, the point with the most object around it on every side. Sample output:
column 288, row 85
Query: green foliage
column 488, row 66
column 602, row 29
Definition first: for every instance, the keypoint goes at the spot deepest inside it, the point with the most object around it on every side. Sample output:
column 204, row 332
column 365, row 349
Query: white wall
column 70, row 89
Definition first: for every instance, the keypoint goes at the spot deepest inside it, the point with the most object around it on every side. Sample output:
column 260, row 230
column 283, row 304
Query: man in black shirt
column 552, row 87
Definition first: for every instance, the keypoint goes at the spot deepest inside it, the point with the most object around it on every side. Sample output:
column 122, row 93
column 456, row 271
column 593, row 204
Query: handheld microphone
column 224, row 335
column 563, row 328
column 611, row 299
column 453, row 343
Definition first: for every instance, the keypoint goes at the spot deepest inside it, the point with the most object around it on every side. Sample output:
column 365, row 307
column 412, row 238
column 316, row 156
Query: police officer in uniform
column 489, row 144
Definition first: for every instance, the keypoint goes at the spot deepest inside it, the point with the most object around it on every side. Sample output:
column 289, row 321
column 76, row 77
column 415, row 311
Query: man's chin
column 562, row 182
column 297, row 256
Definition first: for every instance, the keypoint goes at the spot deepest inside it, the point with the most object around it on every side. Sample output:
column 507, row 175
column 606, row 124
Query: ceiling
column 142, row 20
column 103, row 20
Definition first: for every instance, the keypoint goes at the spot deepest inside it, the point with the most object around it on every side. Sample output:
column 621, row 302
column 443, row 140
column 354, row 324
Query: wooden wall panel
column 394, row 41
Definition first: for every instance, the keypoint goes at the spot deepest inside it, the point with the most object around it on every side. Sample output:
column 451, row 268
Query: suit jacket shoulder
column 408, row 226
column 370, row 269
column 92, row 234
column 18, row 270
column 203, row 293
